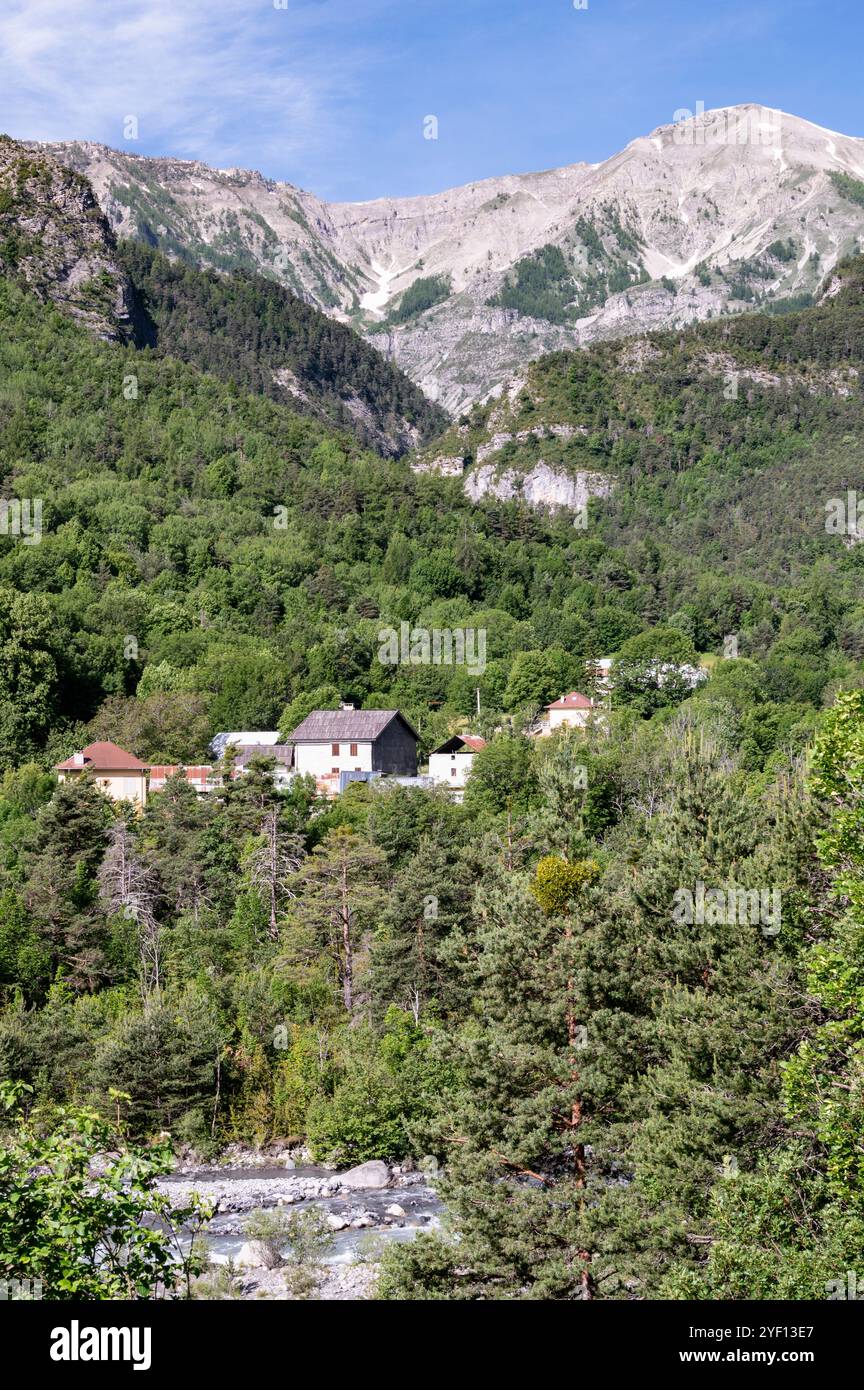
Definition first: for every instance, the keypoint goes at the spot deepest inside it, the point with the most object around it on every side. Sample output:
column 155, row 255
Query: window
column 335, row 771
column 358, row 769
column 354, row 750
column 334, row 750
column 452, row 772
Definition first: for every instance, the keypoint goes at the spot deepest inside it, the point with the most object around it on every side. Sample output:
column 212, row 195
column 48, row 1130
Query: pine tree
column 336, row 891
column 62, row 889
column 519, row 1182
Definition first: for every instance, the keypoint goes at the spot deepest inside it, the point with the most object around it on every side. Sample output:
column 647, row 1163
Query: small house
column 117, row 773
column 450, row 764
column 571, row 711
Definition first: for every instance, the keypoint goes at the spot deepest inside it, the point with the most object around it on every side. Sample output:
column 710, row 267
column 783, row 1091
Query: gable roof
column 574, row 700
column 103, row 757
column 346, row 725
column 468, row 743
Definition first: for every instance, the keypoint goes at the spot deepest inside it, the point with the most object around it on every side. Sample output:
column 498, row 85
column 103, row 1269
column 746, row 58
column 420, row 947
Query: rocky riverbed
column 366, row 1208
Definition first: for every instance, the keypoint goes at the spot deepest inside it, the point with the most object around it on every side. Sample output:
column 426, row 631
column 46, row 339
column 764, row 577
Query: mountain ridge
column 723, row 211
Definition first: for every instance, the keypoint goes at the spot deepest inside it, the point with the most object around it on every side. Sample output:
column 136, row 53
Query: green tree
column 78, row 1229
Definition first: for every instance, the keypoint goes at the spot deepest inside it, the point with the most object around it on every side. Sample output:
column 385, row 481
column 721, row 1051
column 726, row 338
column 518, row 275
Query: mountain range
column 724, row 211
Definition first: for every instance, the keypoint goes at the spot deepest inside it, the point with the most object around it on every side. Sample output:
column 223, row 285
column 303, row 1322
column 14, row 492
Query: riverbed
column 363, row 1220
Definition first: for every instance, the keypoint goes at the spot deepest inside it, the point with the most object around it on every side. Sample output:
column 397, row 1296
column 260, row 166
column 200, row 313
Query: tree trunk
column 584, row 1256
column 347, row 961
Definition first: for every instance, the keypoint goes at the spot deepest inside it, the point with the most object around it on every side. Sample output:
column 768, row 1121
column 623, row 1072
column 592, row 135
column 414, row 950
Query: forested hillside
column 242, row 327
column 626, row 1099
column 250, row 330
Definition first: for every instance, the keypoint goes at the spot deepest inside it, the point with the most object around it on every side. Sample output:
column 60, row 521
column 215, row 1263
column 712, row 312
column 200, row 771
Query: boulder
column 395, row 1210
column 336, row 1223
column 373, row 1174
column 251, row 1256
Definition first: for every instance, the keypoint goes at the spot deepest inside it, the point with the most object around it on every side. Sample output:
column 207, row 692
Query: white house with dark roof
column 330, row 743
column 450, row 764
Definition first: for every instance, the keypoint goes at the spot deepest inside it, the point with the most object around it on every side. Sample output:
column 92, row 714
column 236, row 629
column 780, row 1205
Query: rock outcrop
column 55, row 240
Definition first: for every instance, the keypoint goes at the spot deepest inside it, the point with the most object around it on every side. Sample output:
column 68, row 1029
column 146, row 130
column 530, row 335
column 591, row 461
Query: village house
column 248, row 738
column 343, row 745
column 572, row 711
column 117, row 773
column 335, row 746
column 450, row 764
column 249, row 744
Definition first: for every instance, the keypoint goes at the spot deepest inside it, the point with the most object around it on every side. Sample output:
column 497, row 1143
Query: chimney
column 78, row 759
column 347, row 707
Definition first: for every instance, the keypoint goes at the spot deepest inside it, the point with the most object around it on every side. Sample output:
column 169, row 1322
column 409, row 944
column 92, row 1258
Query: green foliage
column 557, row 883
column 389, row 1087
column 848, row 187
column 76, row 1218
column 421, row 295
column 539, row 286
column 246, row 329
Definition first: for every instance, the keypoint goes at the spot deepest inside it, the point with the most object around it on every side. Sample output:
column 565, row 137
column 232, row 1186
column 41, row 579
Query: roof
column 461, row 743
column 168, row 769
column 243, row 754
column 346, row 725
column 247, row 738
column 572, row 701
column 103, row 757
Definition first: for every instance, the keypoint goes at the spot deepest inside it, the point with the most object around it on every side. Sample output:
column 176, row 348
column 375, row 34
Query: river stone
column 373, row 1174
column 251, row 1255
column 395, row 1210
column 336, row 1223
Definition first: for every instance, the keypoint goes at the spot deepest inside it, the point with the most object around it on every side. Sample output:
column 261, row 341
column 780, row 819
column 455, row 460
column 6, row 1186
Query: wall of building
column 395, row 751
column 442, row 766
column 320, row 760
column 120, row 786
column 572, row 718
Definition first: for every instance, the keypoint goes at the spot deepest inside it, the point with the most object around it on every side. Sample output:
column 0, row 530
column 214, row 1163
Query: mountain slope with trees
column 621, row 1098
column 250, row 330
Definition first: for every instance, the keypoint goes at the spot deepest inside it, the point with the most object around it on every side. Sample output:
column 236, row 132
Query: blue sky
column 331, row 94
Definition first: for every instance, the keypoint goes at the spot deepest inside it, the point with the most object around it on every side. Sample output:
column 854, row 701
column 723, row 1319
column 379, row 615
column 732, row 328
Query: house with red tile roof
column 117, row 773
column 573, row 711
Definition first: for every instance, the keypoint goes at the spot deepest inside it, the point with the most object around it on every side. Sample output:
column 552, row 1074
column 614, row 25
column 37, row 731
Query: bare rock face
column 55, row 240
column 709, row 216
column 541, row 486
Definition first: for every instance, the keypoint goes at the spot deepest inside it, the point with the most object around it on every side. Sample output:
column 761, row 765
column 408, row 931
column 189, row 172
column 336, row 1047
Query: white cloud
column 227, row 81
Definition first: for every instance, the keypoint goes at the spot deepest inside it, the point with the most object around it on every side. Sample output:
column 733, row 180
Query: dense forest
column 629, row 1099
column 250, row 330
